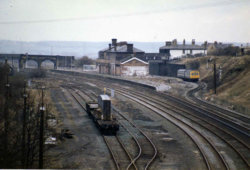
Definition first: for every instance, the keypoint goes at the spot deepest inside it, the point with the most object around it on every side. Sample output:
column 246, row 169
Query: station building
column 114, row 59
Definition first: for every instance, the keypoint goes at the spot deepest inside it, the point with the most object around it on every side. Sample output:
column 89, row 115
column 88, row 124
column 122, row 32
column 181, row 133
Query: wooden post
column 41, row 138
column 24, row 126
column 215, row 76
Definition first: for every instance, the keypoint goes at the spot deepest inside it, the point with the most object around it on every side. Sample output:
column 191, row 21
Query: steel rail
column 120, row 143
column 200, row 118
column 226, row 111
column 207, row 140
column 152, row 144
column 111, row 152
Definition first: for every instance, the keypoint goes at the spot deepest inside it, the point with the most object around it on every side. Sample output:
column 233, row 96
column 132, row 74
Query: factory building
column 175, row 50
column 163, row 68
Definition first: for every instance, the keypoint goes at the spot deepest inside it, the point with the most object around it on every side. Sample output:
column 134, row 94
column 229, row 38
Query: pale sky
column 127, row 20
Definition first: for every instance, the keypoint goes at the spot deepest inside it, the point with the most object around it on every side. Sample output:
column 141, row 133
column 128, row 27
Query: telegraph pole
column 42, row 109
column 24, row 125
column 215, row 76
column 6, row 110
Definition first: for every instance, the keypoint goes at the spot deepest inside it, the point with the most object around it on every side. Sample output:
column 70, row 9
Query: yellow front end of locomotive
column 194, row 75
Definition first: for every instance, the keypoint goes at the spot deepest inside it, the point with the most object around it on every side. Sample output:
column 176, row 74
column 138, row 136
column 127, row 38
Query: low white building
column 134, row 67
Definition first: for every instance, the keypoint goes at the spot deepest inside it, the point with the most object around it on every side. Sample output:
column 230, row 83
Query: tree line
column 20, row 121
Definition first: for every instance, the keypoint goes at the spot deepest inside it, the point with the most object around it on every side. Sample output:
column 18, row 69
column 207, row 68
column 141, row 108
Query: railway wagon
column 188, row 75
column 100, row 113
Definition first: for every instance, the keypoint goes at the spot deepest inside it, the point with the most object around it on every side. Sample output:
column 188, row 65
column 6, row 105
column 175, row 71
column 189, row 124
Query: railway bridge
column 21, row 59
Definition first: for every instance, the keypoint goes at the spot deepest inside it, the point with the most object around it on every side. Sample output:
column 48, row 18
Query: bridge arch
column 31, row 63
column 48, row 63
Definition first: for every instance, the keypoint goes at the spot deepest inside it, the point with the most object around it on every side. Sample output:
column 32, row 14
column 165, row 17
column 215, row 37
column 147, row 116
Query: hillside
column 75, row 48
column 233, row 86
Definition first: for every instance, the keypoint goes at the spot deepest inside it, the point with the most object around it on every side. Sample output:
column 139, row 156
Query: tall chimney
column 109, row 46
column 114, row 42
column 184, row 42
column 168, row 43
column 174, row 42
column 205, row 44
column 193, row 41
column 130, row 48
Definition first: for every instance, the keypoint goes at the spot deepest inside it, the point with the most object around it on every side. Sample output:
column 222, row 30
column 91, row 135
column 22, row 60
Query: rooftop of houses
column 121, row 47
column 220, row 45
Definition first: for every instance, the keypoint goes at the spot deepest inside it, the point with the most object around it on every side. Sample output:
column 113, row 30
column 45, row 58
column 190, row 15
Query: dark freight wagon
column 101, row 115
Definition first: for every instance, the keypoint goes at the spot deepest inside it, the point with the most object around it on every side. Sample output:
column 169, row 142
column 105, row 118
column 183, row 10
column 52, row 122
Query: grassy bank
column 233, row 84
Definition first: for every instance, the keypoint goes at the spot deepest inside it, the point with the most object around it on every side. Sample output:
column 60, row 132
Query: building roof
column 121, row 49
column 133, row 58
column 183, row 47
column 220, row 45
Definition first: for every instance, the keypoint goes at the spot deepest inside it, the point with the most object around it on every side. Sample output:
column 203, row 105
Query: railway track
column 144, row 157
column 206, row 148
column 228, row 134
column 240, row 148
column 235, row 116
column 118, row 152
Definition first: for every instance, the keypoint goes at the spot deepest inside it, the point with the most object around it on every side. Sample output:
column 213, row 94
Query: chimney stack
column 174, row 42
column 205, row 44
column 114, row 42
column 109, row 46
column 168, row 43
column 130, row 48
column 193, row 41
column 184, row 42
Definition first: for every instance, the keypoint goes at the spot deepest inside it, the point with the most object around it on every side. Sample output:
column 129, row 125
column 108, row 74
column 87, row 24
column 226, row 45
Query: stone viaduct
column 59, row 61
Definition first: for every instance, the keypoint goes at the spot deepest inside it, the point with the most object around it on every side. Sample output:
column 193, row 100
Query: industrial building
column 122, row 58
column 174, row 50
column 163, row 68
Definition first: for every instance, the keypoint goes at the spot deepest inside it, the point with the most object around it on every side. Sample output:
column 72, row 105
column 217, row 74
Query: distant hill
column 75, row 48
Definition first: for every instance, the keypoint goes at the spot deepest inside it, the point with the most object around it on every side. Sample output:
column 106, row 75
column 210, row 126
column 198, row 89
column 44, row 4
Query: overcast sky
column 127, row 20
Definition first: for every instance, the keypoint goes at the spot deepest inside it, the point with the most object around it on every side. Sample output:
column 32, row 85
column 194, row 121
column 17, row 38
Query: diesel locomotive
column 188, row 75
column 100, row 113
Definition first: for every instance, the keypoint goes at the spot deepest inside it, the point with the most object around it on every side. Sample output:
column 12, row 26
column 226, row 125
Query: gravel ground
column 87, row 149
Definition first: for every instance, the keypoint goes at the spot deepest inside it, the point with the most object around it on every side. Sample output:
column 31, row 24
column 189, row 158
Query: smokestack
column 114, row 42
column 168, row 43
column 109, row 46
column 184, row 42
column 193, row 41
column 205, row 44
column 174, row 42
column 130, row 48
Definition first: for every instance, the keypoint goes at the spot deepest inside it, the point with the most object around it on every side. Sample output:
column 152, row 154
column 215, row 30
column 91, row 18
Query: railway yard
column 158, row 130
